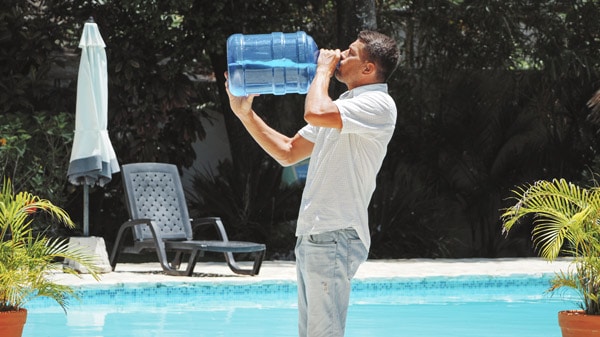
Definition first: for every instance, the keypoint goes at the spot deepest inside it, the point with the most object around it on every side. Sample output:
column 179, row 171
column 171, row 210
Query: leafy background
column 491, row 94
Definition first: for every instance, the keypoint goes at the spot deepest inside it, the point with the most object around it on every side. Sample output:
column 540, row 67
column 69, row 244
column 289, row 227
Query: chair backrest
column 154, row 191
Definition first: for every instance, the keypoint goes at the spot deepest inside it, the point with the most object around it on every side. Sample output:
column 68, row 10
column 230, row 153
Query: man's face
column 352, row 63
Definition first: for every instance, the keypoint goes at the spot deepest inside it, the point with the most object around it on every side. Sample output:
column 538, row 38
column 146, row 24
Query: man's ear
column 369, row 68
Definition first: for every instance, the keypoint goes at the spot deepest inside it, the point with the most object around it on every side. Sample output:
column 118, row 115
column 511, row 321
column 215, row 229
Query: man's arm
column 319, row 109
column 287, row 151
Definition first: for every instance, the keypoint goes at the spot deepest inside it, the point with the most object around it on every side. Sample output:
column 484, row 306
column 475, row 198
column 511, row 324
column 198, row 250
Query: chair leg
column 259, row 256
column 167, row 267
column 258, row 259
column 119, row 244
column 192, row 262
column 161, row 252
column 177, row 260
column 233, row 265
column 159, row 245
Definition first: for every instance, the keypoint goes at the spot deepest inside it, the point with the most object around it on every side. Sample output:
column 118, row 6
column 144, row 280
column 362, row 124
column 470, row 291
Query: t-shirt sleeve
column 367, row 112
column 309, row 133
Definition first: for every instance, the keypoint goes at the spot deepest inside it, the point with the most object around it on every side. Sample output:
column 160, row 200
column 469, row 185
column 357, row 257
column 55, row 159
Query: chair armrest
column 156, row 233
column 131, row 223
column 215, row 221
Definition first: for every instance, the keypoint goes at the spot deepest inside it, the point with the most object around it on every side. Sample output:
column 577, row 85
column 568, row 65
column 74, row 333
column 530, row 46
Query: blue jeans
column 325, row 264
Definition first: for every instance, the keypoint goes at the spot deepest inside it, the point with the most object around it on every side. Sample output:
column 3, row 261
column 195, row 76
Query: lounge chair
column 159, row 221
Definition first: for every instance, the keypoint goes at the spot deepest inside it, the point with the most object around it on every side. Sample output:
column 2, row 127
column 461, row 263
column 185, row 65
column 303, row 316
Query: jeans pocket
column 320, row 253
column 326, row 238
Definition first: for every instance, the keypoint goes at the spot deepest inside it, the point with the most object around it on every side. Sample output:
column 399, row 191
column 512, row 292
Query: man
column 346, row 140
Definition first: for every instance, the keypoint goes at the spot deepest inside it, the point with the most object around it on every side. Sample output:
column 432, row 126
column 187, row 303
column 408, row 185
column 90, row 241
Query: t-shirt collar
column 364, row 88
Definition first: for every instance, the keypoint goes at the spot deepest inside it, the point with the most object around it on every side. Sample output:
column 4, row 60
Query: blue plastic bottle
column 276, row 63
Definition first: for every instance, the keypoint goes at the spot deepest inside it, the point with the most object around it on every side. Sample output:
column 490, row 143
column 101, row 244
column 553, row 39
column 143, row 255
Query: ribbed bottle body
column 276, row 63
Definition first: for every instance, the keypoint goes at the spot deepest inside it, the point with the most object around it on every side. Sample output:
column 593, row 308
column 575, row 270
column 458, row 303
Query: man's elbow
column 314, row 116
column 289, row 158
column 286, row 161
column 329, row 120
column 310, row 117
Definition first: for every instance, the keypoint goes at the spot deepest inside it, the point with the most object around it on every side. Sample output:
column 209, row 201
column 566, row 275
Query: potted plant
column 29, row 260
column 566, row 221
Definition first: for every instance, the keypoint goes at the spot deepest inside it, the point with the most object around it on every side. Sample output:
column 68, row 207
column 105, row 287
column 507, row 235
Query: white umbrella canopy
column 93, row 159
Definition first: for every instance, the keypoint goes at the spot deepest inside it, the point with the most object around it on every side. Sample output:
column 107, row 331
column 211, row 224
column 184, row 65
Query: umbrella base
column 93, row 246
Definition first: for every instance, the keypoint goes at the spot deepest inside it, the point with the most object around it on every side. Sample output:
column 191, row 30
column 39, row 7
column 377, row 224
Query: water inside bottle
column 279, row 63
column 258, row 77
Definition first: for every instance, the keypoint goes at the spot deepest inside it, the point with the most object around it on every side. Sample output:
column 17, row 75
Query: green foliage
column 253, row 203
column 28, row 53
column 490, row 95
column 34, row 152
column 156, row 102
column 27, row 259
column 566, row 220
column 35, row 131
column 403, row 220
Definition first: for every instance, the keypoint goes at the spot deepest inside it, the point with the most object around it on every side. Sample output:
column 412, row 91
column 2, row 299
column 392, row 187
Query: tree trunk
column 354, row 16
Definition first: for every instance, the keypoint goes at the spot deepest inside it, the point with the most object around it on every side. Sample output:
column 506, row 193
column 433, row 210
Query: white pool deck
column 215, row 272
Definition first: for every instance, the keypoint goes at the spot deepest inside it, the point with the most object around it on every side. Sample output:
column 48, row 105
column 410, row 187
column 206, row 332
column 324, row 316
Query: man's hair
column 381, row 50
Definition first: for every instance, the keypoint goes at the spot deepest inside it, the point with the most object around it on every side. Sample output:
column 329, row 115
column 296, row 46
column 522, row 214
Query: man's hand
column 241, row 105
column 328, row 61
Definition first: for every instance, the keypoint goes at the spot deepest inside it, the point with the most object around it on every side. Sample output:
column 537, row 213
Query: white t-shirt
column 344, row 163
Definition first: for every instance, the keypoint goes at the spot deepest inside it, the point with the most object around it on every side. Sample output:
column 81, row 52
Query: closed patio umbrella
column 93, row 159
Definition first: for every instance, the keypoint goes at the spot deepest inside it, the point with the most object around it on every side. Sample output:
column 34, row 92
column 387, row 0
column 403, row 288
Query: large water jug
column 276, row 63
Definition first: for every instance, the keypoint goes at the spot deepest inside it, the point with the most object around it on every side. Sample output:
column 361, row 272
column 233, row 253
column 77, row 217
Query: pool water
column 458, row 306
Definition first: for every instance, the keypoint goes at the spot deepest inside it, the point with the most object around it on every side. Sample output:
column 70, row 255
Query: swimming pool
column 433, row 306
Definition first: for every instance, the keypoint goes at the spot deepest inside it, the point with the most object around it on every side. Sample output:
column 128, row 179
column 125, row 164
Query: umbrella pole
column 86, row 214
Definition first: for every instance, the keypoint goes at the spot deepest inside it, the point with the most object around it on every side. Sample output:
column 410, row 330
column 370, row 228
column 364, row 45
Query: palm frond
column 27, row 261
column 566, row 220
